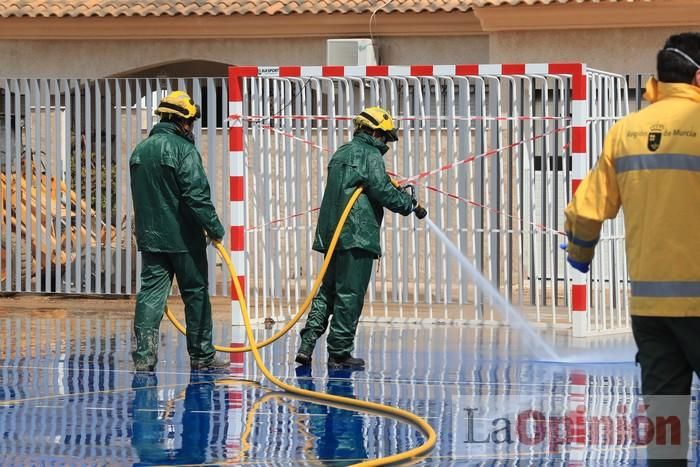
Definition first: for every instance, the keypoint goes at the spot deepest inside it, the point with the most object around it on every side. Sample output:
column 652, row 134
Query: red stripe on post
column 237, row 237
column 513, row 69
column 236, row 188
column 574, row 185
column 467, row 70
column 237, row 357
column 235, row 139
column 422, row 70
column 578, row 85
column 290, row 71
column 333, row 71
column 578, row 139
column 377, row 70
column 579, row 297
column 234, row 76
column 234, row 294
column 578, row 88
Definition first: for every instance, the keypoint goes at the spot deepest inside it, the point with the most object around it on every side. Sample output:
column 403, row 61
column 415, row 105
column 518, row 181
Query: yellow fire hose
column 409, row 417
column 326, row 399
column 309, row 297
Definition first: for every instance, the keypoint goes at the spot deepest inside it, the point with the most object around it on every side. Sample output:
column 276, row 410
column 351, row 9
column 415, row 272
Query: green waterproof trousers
column 156, row 282
column 342, row 294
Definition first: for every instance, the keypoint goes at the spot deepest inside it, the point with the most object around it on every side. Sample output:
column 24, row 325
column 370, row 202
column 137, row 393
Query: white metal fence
column 67, row 218
column 490, row 151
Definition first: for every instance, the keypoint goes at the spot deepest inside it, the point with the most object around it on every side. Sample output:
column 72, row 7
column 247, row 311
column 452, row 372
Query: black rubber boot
column 215, row 364
column 303, row 358
column 349, row 363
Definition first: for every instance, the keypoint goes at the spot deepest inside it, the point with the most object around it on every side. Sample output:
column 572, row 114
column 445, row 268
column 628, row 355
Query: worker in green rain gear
column 356, row 164
column 173, row 210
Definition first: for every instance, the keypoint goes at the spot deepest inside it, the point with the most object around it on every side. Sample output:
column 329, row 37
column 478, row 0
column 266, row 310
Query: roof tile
column 75, row 8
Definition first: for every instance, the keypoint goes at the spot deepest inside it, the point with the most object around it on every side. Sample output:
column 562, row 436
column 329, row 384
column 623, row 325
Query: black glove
column 418, row 210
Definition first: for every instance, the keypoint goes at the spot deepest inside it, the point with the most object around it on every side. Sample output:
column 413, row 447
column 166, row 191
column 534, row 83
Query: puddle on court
column 68, row 395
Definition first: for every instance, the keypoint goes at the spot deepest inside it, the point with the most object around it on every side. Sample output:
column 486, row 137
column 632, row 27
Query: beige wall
column 614, row 50
column 81, row 59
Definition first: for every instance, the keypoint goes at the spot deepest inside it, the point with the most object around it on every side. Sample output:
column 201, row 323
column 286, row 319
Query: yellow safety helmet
column 377, row 118
column 178, row 103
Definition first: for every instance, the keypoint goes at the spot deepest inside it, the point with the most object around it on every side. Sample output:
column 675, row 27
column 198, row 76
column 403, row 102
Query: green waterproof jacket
column 172, row 200
column 358, row 163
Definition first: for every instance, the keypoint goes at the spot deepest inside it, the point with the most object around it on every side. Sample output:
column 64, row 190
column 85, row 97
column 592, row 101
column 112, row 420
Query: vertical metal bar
column 211, row 165
column 511, row 181
column 463, row 148
column 7, row 173
column 544, row 168
column 410, row 251
column 494, row 184
column 46, row 180
column 100, row 228
column 56, row 183
column 479, row 179
column 67, row 171
column 77, row 164
column 108, row 168
column 268, row 279
column 26, row 192
column 451, row 135
column 297, row 203
column 118, row 113
column 257, row 276
column 309, row 167
column 88, row 189
column 36, row 185
column 224, row 154
column 18, row 189
column 532, row 198
column 129, row 145
column 289, row 196
column 139, row 136
column 420, row 242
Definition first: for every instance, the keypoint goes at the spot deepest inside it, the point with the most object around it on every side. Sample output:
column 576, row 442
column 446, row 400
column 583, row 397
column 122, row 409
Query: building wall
column 82, row 59
column 614, row 50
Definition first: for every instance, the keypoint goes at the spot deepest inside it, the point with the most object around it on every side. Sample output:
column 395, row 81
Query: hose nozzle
column 420, row 211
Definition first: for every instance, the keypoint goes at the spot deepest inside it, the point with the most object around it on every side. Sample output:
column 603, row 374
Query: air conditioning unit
column 353, row 52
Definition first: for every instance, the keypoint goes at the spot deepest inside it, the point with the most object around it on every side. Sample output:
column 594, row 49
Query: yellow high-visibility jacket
column 650, row 166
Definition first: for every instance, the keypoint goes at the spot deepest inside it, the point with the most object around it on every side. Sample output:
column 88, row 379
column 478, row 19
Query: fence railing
column 67, row 219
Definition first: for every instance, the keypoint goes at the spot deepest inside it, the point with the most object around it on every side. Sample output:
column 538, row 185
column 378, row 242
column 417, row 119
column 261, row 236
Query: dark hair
column 168, row 117
column 672, row 67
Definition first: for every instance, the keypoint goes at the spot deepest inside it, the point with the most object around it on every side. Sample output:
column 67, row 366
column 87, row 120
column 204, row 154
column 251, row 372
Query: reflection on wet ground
column 68, row 395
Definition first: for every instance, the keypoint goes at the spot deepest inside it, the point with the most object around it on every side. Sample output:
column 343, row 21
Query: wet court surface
column 69, row 396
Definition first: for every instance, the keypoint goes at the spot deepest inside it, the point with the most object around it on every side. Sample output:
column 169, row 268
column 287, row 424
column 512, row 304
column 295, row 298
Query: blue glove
column 578, row 265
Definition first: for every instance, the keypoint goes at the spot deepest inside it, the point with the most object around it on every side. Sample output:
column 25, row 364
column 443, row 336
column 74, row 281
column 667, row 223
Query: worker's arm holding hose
column 596, row 199
column 381, row 188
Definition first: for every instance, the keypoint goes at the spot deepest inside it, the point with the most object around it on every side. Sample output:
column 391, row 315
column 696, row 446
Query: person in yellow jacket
column 650, row 167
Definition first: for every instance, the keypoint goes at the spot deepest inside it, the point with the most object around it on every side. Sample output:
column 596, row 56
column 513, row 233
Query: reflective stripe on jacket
column 649, row 167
